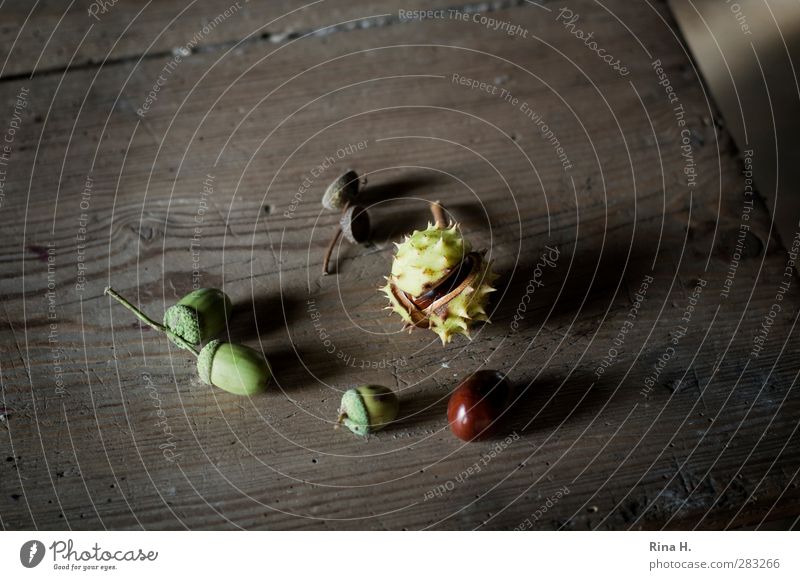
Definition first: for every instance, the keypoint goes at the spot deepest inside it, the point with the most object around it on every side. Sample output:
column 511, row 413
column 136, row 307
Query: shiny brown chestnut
column 476, row 404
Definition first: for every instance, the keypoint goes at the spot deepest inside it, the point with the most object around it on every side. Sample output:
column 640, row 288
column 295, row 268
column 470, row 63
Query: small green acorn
column 235, row 368
column 199, row 316
column 343, row 190
column 368, row 408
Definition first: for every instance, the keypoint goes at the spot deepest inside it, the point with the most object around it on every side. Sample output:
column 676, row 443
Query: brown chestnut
column 476, row 404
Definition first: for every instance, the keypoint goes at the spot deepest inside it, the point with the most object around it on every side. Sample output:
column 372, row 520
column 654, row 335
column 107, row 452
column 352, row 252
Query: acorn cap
column 235, row 368
column 199, row 316
column 355, row 224
column 343, row 190
column 368, row 408
column 183, row 321
column 205, row 360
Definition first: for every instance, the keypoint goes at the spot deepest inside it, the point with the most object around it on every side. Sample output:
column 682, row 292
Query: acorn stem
column 438, row 214
column 329, row 252
column 149, row 321
column 340, row 419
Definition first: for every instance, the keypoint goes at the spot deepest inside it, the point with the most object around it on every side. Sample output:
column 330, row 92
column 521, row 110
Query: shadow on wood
column 264, row 315
column 543, row 288
column 425, row 408
column 550, row 401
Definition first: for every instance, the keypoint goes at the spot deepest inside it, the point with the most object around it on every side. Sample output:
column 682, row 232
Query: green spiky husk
column 422, row 262
column 465, row 309
column 427, row 256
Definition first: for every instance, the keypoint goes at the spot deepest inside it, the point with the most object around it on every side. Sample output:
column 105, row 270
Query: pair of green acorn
column 198, row 317
column 203, row 314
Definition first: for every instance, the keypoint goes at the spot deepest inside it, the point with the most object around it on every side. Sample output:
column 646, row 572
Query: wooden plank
column 712, row 444
column 46, row 38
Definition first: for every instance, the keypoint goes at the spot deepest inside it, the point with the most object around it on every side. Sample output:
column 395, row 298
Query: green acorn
column 368, row 408
column 437, row 282
column 235, row 368
column 343, row 190
column 199, row 316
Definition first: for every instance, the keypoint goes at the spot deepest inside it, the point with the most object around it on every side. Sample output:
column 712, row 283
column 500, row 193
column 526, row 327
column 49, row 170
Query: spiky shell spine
column 437, row 282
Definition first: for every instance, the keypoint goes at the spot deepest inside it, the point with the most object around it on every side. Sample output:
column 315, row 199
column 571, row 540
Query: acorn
column 176, row 338
column 199, row 316
column 342, row 191
column 235, row 368
column 354, row 225
column 438, row 282
column 368, row 408
column 477, row 403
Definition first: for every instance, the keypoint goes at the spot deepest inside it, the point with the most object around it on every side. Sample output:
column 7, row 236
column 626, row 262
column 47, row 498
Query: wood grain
column 712, row 445
column 44, row 38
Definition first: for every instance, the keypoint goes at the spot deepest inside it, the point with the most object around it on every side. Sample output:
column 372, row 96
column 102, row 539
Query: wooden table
column 157, row 147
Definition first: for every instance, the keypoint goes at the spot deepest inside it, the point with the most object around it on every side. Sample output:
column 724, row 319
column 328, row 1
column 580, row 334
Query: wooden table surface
column 154, row 147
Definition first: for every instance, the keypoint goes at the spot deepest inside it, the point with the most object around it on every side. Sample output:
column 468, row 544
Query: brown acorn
column 354, row 225
column 342, row 191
